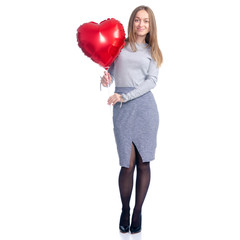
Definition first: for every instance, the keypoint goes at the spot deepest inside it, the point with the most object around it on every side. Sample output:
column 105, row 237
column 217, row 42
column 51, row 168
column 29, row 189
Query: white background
column 59, row 164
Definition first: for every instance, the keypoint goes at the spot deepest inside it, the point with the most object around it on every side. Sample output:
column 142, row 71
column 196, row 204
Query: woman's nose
column 141, row 23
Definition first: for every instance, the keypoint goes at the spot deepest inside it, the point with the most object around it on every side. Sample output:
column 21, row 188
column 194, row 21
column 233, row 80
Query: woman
column 135, row 113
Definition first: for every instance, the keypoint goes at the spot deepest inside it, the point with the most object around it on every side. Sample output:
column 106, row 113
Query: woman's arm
column 147, row 85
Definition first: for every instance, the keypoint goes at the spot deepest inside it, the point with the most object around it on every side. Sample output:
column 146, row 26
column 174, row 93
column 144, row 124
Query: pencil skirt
column 136, row 121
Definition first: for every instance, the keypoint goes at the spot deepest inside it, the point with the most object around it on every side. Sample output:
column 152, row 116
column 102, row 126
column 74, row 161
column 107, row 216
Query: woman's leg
column 142, row 184
column 125, row 187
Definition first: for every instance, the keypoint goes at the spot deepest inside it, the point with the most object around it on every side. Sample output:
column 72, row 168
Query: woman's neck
column 140, row 39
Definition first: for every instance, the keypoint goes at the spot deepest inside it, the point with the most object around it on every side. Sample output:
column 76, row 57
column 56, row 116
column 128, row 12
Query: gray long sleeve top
column 135, row 69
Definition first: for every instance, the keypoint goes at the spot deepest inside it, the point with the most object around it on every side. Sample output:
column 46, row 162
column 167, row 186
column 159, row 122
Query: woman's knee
column 143, row 166
column 127, row 171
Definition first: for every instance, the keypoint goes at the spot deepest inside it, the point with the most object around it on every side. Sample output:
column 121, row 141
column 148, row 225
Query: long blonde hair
column 151, row 37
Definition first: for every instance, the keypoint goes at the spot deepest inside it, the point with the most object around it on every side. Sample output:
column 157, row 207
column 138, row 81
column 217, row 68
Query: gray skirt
column 135, row 122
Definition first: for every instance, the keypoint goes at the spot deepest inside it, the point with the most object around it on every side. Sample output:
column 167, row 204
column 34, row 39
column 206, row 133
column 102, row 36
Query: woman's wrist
column 121, row 97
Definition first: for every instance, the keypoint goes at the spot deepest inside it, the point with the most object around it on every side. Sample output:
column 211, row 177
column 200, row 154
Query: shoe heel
column 122, row 228
column 137, row 229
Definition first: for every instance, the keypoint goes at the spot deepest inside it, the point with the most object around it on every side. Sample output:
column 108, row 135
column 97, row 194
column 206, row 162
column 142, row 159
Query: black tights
column 126, row 186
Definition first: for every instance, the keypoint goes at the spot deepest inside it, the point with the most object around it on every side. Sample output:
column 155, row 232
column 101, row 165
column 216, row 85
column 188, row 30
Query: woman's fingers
column 106, row 79
column 109, row 77
column 109, row 100
column 114, row 99
column 104, row 82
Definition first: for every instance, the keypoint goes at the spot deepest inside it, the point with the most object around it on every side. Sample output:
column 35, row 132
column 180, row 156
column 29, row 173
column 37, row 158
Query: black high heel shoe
column 124, row 228
column 138, row 228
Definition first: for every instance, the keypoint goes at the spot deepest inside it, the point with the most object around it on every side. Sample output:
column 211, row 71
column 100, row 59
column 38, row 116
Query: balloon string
column 108, row 86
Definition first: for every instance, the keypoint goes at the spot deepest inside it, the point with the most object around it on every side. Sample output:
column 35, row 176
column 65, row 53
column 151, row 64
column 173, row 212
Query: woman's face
column 141, row 23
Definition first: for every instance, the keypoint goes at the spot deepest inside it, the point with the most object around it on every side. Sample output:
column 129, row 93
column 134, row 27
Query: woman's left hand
column 115, row 98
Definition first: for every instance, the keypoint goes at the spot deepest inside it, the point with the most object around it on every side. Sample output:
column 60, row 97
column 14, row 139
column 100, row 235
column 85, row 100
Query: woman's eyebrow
column 140, row 18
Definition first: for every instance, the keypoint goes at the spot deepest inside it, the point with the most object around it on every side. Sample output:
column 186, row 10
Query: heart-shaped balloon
column 101, row 42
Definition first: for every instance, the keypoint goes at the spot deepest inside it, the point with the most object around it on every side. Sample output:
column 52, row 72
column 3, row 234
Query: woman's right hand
column 106, row 79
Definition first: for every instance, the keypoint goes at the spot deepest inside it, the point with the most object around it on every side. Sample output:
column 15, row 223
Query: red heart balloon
column 101, row 42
